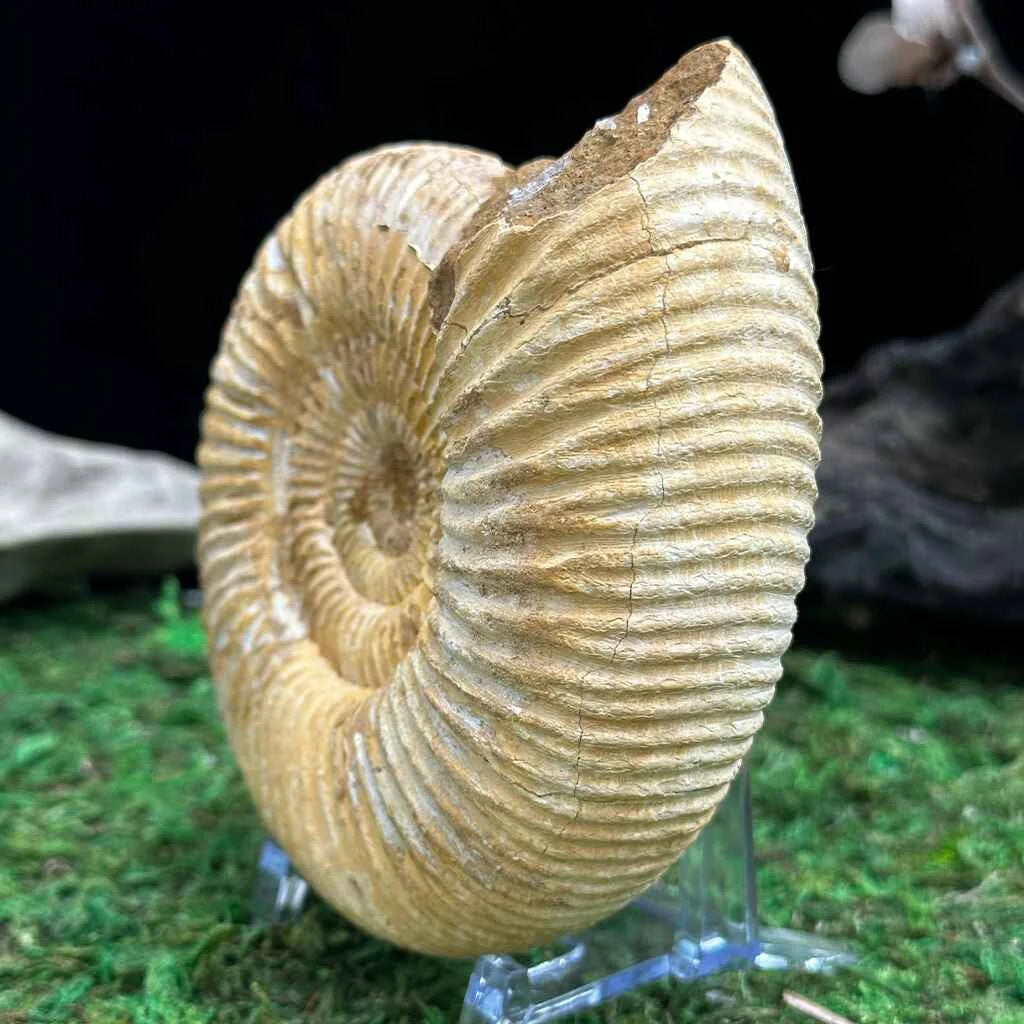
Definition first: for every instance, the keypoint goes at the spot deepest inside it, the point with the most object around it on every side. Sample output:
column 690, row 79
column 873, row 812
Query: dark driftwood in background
column 922, row 471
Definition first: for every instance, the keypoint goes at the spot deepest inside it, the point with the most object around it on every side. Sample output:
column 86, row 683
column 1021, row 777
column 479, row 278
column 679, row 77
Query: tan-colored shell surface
column 506, row 483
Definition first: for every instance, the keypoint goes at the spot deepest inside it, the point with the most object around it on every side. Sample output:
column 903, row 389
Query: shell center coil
column 383, row 505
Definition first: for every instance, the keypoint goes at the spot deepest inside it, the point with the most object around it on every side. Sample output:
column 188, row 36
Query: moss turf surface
column 889, row 803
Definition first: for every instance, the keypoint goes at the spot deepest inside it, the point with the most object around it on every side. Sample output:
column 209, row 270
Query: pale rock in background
column 71, row 508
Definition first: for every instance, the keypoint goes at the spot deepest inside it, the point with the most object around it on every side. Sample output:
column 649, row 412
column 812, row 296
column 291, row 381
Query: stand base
column 701, row 918
column 503, row 990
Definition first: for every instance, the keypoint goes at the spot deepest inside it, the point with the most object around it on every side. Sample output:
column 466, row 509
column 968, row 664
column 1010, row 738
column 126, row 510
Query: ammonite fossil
column 506, row 481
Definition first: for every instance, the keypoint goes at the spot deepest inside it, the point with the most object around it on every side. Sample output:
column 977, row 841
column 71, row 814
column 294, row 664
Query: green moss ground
column 889, row 803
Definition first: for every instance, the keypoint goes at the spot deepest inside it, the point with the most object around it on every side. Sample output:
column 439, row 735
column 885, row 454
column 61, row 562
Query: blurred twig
column 811, row 1009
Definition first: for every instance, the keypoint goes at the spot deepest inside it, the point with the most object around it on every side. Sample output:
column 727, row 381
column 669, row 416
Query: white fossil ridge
column 507, row 476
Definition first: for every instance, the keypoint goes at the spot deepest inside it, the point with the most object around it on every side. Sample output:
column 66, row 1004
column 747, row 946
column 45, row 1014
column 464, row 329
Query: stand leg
column 279, row 892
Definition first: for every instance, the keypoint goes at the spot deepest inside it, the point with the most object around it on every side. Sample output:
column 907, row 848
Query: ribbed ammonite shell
column 507, row 477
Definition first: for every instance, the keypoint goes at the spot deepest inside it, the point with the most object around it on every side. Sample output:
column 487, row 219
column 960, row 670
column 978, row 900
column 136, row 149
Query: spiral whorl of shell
column 507, row 477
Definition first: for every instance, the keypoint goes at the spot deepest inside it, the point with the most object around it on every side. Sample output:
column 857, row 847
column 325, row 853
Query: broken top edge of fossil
column 617, row 144
column 546, row 187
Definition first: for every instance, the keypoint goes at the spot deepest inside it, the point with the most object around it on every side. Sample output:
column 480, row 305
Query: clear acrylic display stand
column 699, row 919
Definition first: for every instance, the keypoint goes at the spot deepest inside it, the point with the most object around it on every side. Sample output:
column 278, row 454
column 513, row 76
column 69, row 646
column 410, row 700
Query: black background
column 153, row 145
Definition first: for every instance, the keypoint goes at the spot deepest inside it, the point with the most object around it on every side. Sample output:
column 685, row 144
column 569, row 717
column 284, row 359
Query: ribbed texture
column 496, row 602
